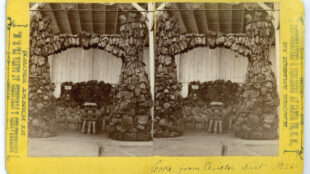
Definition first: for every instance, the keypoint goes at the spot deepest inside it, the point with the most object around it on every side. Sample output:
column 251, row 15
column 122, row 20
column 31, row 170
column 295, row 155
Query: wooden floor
column 197, row 142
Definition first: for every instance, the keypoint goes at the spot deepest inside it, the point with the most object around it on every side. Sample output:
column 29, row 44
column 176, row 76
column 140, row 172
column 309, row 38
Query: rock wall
column 258, row 108
column 131, row 119
column 257, row 114
column 41, row 107
column 168, row 116
column 170, row 42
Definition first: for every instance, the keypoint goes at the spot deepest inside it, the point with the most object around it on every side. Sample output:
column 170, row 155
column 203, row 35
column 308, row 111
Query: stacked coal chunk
column 168, row 118
column 218, row 90
column 47, row 43
column 41, row 108
column 201, row 94
column 41, row 119
column 131, row 118
column 259, row 100
column 69, row 104
column 100, row 93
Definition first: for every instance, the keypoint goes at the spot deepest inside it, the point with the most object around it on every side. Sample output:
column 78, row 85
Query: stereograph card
column 207, row 86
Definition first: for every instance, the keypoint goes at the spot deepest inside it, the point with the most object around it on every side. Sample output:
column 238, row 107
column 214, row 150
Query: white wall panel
column 200, row 64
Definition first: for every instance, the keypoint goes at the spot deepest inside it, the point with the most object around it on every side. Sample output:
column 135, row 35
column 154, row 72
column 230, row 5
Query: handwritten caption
column 162, row 166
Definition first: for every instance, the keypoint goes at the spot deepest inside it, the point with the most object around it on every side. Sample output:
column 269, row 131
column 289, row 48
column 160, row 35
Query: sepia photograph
column 154, row 79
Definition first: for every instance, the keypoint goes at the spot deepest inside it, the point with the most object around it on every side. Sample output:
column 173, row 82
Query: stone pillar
column 168, row 117
column 258, row 103
column 131, row 119
column 41, row 108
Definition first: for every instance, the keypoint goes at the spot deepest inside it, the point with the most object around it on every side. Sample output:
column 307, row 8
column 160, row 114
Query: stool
column 90, row 119
column 216, row 120
column 91, row 127
column 215, row 123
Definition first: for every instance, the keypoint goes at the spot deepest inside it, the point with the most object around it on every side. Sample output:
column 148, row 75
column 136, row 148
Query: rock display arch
column 131, row 119
column 257, row 110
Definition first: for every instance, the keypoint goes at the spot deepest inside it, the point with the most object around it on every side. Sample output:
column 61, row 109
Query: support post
column 33, row 8
column 276, row 24
column 150, row 16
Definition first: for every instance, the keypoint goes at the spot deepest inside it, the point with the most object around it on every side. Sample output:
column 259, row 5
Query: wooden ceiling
column 103, row 18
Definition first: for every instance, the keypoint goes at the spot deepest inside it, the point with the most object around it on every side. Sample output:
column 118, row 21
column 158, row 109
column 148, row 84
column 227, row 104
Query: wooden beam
column 213, row 16
column 111, row 18
column 206, row 20
column 225, row 17
column 200, row 16
column 162, row 6
column 265, row 7
column 140, row 9
column 177, row 14
column 271, row 12
column 218, row 18
column 242, row 19
column 182, row 15
column 53, row 17
column 79, row 12
column 195, row 26
column 91, row 18
column 78, row 20
column 116, row 21
column 193, row 16
column 66, row 19
column 189, row 17
column 150, row 16
column 230, row 18
column 33, row 8
column 99, row 18
column 86, row 18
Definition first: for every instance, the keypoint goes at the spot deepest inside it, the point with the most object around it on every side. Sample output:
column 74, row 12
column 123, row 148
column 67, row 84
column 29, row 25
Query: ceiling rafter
column 196, row 30
column 213, row 16
column 271, row 12
column 99, row 18
column 66, row 19
column 201, row 20
column 242, row 18
column 86, row 17
column 230, row 18
column 218, row 18
column 91, row 18
column 79, row 12
column 225, row 17
column 195, row 26
column 179, row 17
column 161, row 7
column 53, row 17
column 205, row 17
column 116, row 21
column 110, row 19
column 140, row 9
column 190, row 15
column 78, row 21
column 34, row 7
